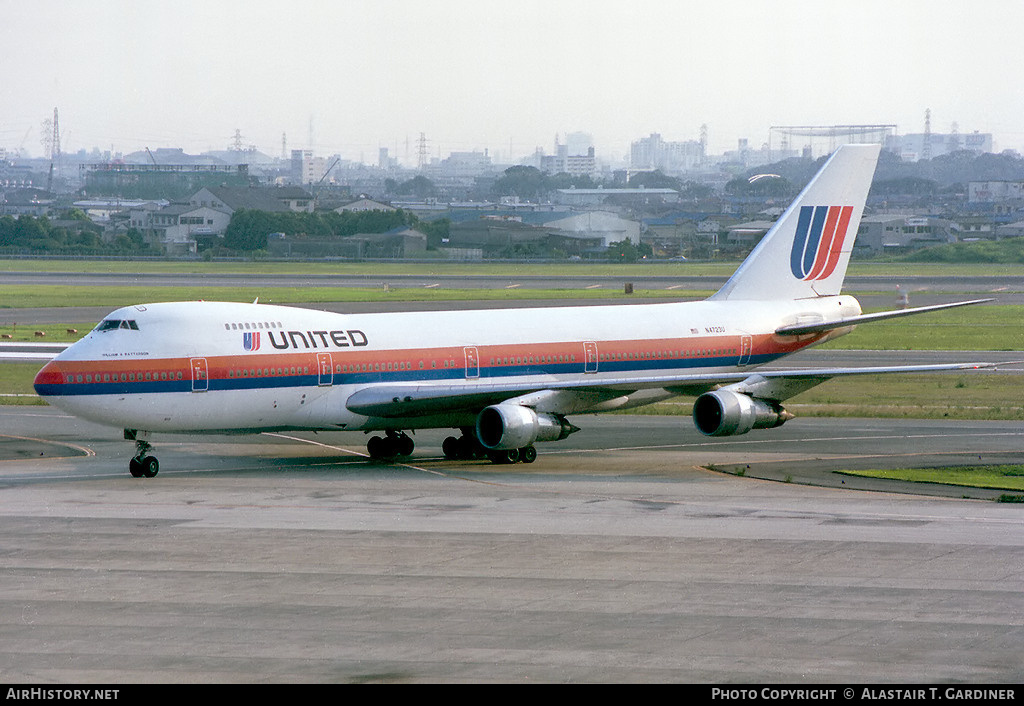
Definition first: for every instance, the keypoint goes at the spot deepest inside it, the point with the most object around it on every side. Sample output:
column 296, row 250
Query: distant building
column 902, row 232
column 968, row 228
column 748, row 234
column 668, row 157
column 915, row 147
column 272, row 199
column 307, row 169
column 581, row 234
column 26, row 202
column 609, row 227
column 597, row 197
column 575, row 157
column 364, row 205
column 158, row 181
column 460, row 165
column 1010, row 230
column 177, row 226
column 995, row 192
column 398, row 243
column 101, row 210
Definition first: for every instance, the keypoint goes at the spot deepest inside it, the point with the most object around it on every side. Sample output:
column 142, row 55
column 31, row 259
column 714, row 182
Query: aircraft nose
column 48, row 379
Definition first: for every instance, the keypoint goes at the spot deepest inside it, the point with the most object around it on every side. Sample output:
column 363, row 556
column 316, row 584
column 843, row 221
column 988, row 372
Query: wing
column 575, row 396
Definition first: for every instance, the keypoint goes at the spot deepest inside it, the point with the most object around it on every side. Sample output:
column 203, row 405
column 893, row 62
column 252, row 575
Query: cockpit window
column 111, row 324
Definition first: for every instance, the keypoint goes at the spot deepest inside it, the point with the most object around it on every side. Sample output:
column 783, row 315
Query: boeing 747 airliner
column 505, row 379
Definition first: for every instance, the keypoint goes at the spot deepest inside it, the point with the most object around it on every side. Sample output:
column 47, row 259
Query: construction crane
column 316, row 187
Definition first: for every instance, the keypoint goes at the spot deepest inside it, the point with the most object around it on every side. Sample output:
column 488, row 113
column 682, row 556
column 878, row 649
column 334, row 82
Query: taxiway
column 616, row 557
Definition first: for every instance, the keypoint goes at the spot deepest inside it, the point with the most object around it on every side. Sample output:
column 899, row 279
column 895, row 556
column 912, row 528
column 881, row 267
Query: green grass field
column 996, row 477
column 31, row 296
column 561, row 268
column 985, row 327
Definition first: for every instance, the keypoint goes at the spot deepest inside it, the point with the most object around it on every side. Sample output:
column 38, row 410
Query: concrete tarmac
column 616, row 557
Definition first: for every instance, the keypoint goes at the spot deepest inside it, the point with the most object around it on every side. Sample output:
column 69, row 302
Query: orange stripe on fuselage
column 259, row 364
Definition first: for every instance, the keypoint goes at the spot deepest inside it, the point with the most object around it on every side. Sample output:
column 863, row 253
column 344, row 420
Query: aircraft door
column 200, row 375
column 472, row 362
column 746, row 345
column 590, row 357
column 325, row 367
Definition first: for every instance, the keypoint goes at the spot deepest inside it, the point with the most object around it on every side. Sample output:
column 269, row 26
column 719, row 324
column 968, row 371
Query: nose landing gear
column 143, row 465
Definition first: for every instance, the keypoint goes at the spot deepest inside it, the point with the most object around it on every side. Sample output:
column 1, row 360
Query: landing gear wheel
column 376, row 447
column 150, row 466
column 528, row 454
column 450, row 447
column 504, row 456
column 462, row 448
column 141, row 465
column 393, row 444
column 405, row 445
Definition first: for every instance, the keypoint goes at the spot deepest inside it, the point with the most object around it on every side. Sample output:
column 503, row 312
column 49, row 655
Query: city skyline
column 352, row 77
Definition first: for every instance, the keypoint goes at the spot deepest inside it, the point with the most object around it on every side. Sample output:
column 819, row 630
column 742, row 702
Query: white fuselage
column 228, row 367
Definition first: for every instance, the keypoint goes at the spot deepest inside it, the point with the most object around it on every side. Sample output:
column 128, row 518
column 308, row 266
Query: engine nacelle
column 727, row 413
column 510, row 426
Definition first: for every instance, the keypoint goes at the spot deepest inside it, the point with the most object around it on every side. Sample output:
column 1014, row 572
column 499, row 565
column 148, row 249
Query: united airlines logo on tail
column 251, row 341
column 820, row 233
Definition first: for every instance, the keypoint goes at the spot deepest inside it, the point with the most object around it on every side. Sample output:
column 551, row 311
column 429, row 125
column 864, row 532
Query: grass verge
column 1000, row 477
column 31, row 296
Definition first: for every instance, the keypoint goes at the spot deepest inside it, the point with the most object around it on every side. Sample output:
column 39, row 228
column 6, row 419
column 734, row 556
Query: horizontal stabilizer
column 823, row 326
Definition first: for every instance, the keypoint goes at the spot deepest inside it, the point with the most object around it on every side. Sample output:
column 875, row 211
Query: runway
column 616, row 557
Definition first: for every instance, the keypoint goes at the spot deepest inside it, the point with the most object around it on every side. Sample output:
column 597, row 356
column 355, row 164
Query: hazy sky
column 474, row 74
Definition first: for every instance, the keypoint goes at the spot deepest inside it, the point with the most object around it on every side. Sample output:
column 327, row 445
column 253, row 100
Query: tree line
column 72, row 233
column 249, row 229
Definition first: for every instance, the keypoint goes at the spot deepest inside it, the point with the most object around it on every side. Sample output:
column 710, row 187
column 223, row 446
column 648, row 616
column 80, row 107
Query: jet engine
column 511, row 426
column 727, row 413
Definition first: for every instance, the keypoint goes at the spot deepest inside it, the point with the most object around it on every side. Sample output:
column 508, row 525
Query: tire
column 406, row 445
column 450, row 447
column 376, row 447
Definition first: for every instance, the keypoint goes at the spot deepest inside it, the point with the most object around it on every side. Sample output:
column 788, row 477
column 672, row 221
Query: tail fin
column 806, row 252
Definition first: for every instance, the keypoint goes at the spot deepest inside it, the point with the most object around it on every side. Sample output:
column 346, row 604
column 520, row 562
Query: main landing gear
column 466, row 447
column 142, row 464
column 395, row 443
